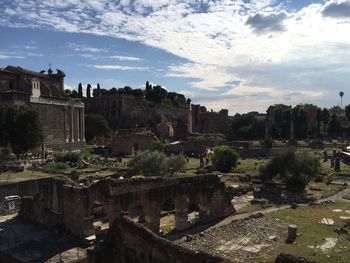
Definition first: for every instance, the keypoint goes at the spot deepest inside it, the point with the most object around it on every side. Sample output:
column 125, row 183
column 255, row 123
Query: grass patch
column 311, row 233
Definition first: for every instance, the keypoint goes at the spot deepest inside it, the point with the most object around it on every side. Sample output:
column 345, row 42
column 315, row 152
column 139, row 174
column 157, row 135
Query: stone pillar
column 77, row 112
column 181, row 212
column 292, row 233
column 66, row 124
column 82, row 121
column 71, row 125
column 152, row 215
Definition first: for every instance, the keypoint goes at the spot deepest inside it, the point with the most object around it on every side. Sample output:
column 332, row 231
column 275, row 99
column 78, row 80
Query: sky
column 236, row 54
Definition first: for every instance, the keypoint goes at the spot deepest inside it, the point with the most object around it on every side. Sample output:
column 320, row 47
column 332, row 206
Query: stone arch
column 99, row 214
column 137, row 213
column 167, row 216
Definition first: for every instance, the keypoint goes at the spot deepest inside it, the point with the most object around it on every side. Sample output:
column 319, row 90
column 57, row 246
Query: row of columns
column 152, row 211
column 75, row 124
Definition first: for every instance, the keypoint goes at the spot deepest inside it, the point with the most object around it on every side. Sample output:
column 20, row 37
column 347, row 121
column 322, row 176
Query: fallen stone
column 273, row 238
column 344, row 217
column 254, row 248
column 337, row 210
column 327, row 221
column 329, row 244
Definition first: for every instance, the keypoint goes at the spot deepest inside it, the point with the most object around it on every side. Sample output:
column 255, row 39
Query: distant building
column 62, row 118
column 165, row 130
column 128, row 143
column 125, row 111
column 204, row 121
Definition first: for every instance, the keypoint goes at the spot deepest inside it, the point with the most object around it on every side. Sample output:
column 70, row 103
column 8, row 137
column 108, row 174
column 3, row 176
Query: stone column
column 152, row 215
column 82, row 128
column 66, row 124
column 77, row 112
column 71, row 125
column 181, row 212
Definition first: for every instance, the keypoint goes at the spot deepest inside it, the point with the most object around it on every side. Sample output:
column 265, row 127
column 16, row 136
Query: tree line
column 155, row 94
column 285, row 122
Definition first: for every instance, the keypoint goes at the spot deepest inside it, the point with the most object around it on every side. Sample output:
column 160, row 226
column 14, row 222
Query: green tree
column 158, row 146
column 20, row 127
column 347, row 111
column 29, row 132
column 155, row 163
column 95, row 125
column 224, row 158
column 80, row 91
column 88, row 91
column 175, row 163
column 319, row 120
column 295, row 169
column 325, row 118
column 334, row 128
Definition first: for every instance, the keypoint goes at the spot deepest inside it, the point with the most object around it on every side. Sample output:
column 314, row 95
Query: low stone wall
column 23, row 188
column 128, row 242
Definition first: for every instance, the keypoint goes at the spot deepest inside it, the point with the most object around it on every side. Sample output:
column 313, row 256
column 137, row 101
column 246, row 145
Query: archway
column 167, row 216
column 100, row 218
column 193, row 213
column 137, row 214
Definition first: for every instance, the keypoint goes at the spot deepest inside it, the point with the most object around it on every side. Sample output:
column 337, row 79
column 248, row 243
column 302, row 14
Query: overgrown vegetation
column 158, row 146
column 155, row 163
column 72, row 157
column 224, row 158
column 295, row 169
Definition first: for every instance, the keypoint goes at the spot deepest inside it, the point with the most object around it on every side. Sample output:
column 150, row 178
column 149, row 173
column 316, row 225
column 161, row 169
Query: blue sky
column 236, row 54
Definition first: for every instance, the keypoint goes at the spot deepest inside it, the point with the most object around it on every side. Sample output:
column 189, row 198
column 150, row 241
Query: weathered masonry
column 71, row 206
column 127, row 241
column 62, row 118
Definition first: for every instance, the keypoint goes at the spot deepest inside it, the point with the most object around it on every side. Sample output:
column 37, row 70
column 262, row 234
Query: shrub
column 158, row 146
column 6, row 154
column 224, row 158
column 295, row 169
column 175, row 163
column 64, row 157
column 155, row 163
column 55, row 167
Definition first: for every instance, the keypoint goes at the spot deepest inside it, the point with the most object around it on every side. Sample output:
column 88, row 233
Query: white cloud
column 9, row 56
column 85, row 48
column 304, row 55
column 125, row 58
column 118, row 67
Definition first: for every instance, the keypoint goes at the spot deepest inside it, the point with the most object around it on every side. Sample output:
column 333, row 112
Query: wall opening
column 100, row 216
column 167, row 217
column 137, row 214
column 193, row 214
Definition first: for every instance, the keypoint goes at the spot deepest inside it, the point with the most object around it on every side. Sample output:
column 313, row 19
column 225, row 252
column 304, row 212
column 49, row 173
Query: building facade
column 62, row 118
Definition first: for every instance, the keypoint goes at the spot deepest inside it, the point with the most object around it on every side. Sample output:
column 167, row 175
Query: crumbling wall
column 129, row 242
column 60, row 203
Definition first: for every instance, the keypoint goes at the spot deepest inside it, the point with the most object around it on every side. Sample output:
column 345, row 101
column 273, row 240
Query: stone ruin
column 67, row 205
column 127, row 241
